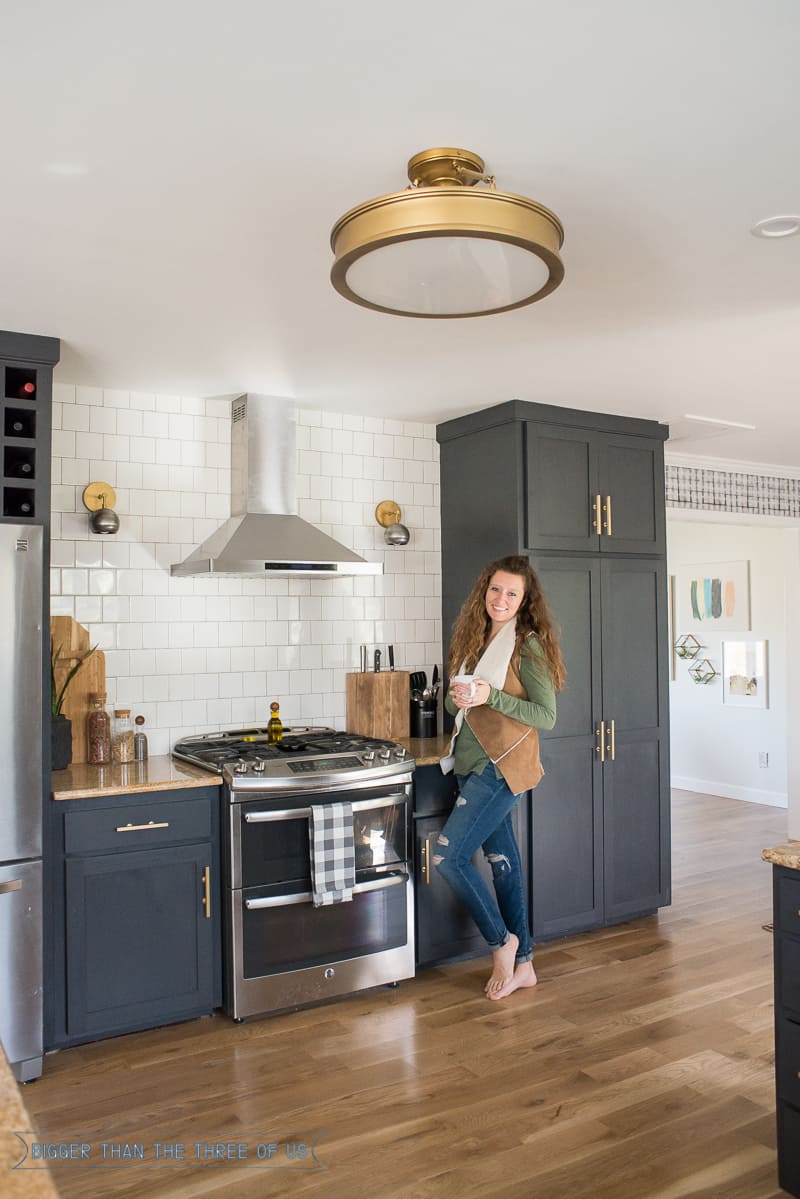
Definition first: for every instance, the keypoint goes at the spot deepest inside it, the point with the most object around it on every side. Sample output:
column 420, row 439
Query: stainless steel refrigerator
column 21, row 683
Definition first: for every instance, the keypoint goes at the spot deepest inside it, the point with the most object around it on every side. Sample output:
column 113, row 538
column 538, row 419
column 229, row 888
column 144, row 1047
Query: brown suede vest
column 513, row 747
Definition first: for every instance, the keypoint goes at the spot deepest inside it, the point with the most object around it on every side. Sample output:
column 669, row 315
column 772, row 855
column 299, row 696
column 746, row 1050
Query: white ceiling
column 171, row 170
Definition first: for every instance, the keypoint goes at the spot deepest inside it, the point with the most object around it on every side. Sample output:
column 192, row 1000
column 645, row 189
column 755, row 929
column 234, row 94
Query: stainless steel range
column 280, row 950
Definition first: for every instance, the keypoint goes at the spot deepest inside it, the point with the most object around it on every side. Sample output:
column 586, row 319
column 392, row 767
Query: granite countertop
column 426, row 751
column 18, row 1184
column 784, row 855
column 82, row 781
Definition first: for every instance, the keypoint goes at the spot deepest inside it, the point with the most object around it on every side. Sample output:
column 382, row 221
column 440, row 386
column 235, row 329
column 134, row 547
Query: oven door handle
column 358, row 805
column 283, row 901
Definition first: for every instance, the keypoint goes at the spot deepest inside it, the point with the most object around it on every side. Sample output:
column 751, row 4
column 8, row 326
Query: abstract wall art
column 714, row 595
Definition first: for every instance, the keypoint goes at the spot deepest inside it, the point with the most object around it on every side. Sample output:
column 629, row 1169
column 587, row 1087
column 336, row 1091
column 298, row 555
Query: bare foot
column 502, row 965
column 524, row 976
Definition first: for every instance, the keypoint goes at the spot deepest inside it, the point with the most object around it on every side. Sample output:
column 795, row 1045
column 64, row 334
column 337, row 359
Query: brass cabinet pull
column 141, row 828
column 607, row 510
column 426, row 861
column 15, row 884
column 600, row 748
column 612, row 745
column 207, row 891
column 597, row 522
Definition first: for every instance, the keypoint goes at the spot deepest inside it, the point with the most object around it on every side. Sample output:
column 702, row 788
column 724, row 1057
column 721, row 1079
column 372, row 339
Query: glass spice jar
column 122, row 736
column 98, row 731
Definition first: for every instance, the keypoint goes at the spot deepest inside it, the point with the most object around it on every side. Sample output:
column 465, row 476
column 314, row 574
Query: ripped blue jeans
column 481, row 816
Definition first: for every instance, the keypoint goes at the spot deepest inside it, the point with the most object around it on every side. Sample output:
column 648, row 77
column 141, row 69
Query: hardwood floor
column 641, row 1067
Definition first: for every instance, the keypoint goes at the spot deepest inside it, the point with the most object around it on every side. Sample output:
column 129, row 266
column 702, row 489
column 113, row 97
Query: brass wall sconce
column 100, row 499
column 388, row 515
column 703, row 671
column 687, row 646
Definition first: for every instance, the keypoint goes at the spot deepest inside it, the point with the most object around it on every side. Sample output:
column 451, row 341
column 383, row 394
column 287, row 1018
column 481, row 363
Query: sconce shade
column 104, row 520
column 446, row 248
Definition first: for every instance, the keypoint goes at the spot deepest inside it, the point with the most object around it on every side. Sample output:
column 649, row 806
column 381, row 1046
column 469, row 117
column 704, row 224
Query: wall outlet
column 763, row 759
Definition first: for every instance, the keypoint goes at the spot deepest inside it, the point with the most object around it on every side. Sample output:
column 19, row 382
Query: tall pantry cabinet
column 582, row 494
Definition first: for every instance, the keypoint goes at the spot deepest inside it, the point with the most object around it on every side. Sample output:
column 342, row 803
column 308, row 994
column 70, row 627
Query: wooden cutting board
column 377, row 704
column 74, row 641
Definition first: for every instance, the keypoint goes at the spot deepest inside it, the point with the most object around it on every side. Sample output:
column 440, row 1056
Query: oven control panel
column 323, row 765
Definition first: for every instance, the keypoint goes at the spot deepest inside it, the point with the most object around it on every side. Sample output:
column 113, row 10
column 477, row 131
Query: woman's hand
column 462, row 697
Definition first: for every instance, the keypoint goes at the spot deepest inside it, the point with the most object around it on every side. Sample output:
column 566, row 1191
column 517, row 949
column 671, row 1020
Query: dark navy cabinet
column 139, row 912
column 582, row 494
column 26, row 385
column 600, row 492
column 786, row 906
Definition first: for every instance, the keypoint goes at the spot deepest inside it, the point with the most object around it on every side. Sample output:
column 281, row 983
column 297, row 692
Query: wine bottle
column 27, row 391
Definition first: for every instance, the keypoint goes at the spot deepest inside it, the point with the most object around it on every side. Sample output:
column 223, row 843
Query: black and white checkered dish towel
column 333, row 854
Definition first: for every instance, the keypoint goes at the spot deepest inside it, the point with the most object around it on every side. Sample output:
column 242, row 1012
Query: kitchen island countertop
column 33, row 1183
column 163, row 773
column 784, row 855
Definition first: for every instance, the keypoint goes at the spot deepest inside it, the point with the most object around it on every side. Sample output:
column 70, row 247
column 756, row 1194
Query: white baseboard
column 775, row 799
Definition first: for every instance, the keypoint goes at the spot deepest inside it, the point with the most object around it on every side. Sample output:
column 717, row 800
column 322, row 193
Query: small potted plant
column 62, row 725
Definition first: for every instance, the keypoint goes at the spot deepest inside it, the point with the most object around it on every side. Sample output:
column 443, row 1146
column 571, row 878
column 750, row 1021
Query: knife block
column 377, row 704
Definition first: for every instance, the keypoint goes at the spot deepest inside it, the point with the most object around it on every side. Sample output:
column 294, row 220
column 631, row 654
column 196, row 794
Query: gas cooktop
column 307, row 757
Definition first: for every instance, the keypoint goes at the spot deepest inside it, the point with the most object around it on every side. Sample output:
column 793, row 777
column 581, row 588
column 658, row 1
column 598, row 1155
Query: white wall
column 194, row 655
column 715, row 748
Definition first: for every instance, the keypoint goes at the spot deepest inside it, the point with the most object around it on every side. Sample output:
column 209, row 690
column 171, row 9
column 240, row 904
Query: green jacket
column 539, row 709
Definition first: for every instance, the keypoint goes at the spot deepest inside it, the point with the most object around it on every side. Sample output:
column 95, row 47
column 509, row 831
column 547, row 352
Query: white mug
column 466, row 681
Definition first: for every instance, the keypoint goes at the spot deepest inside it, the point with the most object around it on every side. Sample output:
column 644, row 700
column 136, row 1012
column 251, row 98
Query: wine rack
column 26, row 369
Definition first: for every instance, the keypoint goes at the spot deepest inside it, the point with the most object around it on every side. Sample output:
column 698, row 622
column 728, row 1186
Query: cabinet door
column 631, row 473
column 566, row 808
column 636, row 775
column 569, row 469
column 140, row 948
column 561, row 480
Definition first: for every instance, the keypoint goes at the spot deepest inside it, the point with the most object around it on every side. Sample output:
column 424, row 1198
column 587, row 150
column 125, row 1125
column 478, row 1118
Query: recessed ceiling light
column 777, row 226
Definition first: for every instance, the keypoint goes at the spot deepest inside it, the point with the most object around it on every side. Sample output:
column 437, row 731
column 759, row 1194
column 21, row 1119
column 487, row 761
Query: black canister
column 422, row 718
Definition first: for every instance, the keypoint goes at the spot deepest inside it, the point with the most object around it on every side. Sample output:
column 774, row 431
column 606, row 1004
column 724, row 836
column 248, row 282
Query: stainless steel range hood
column 264, row 535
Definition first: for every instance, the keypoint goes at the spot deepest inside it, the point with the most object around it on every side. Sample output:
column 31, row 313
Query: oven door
column 284, row 931
column 269, row 836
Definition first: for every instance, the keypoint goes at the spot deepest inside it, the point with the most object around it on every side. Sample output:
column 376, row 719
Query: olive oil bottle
column 274, row 726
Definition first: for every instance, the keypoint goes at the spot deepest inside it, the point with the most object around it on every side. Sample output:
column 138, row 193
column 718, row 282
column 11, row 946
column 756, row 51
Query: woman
column 504, row 637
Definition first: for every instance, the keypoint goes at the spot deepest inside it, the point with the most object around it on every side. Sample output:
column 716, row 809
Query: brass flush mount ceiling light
column 447, row 247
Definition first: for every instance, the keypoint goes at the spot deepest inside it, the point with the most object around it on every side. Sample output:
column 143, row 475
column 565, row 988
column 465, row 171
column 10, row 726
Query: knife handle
column 391, row 657
column 377, row 661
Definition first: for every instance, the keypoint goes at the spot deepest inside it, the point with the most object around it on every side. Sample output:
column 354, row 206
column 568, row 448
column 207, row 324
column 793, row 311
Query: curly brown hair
column 473, row 621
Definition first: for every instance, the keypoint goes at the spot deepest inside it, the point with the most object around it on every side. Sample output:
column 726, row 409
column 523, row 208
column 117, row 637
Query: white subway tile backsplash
column 207, row 653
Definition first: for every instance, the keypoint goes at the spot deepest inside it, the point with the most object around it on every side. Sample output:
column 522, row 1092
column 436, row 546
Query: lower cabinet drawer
column 787, row 974
column 787, row 1060
column 788, row 904
column 127, row 826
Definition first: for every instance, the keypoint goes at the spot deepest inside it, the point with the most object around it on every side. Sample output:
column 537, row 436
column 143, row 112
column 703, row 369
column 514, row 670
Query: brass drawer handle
column 207, row 892
column 426, row 861
column 612, row 748
column 597, row 522
column 607, row 510
column 15, row 884
column 600, row 748
column 141, row 828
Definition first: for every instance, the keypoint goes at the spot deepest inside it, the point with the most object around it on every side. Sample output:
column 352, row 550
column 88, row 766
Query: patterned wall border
column 731, row 491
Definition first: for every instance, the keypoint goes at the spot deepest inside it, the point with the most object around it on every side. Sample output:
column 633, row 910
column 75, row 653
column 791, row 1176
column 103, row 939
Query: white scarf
column 492, row 668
